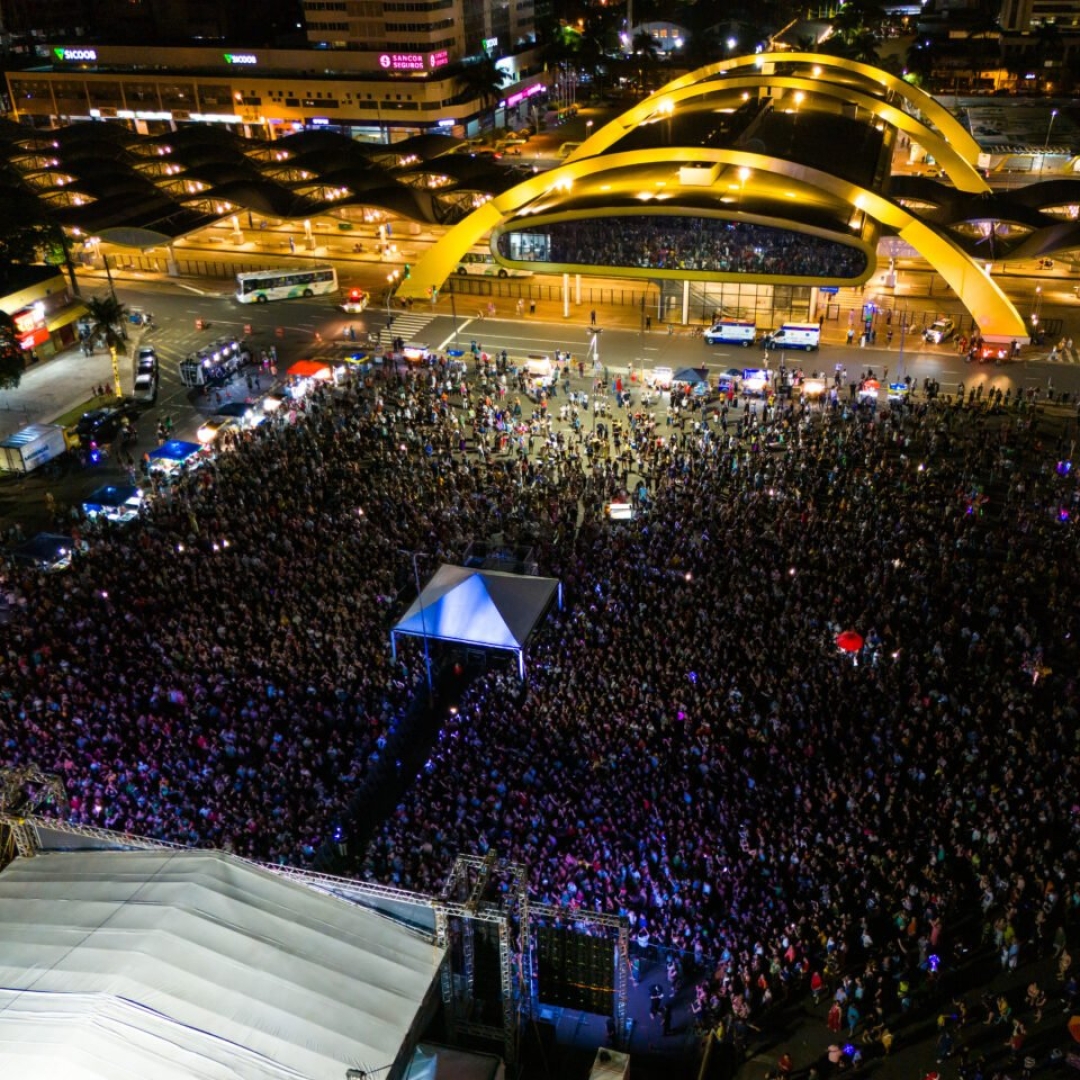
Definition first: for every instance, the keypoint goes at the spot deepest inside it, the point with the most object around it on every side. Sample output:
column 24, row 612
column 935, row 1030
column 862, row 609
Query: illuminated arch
column 957, row 167
column 950, row 129
column 993, row 312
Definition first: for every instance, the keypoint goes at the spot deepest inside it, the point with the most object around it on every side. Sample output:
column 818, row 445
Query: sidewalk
column 54, row 387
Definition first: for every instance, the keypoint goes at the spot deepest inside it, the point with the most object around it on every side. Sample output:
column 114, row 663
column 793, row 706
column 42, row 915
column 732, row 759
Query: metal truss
column 462, row 904
column 618, row 923
column 23, row 788
column 462, row 899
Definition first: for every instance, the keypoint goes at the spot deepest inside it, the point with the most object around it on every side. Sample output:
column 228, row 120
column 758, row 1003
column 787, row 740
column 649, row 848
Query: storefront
column 42, row 310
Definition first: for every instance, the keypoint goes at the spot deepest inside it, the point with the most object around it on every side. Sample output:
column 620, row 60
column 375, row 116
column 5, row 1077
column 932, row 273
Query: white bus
column 261, row 285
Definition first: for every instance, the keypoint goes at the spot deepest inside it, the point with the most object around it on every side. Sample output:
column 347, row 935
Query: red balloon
column 849, row 640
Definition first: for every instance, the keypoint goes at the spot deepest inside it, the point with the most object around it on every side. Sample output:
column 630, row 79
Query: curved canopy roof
column 191, row 965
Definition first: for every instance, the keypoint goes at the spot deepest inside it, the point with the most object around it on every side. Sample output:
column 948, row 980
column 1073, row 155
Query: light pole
column 1036, row 307
column 1046, row 142
column 423, row 618
column 391, row 284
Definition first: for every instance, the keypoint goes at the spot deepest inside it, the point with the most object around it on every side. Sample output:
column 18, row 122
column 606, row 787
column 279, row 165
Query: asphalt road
column 309, row 328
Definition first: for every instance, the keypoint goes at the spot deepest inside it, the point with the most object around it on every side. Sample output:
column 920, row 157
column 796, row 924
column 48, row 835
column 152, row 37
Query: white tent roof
column 487, row 608
column 192, row 964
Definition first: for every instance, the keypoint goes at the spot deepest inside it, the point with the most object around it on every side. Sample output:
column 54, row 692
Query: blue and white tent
column 486, row 609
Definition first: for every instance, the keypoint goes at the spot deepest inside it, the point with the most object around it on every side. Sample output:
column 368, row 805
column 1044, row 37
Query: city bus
column 261, row 285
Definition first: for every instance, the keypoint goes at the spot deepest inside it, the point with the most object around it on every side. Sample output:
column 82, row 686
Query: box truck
column 32, row 447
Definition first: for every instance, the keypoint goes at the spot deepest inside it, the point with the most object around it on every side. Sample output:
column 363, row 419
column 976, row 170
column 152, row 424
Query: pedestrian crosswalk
column 406, row 325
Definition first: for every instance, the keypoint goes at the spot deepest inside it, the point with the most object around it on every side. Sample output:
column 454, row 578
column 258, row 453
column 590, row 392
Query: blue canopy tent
column 46, row 551
column 487, row 609
column 117, row 502
column 172, row 454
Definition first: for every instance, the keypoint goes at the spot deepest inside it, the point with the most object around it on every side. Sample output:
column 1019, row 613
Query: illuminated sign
column 521, row 95
column 437, row 59
column 489, row 44
column 318, row 121
column 28, row 320
column 402, row 61
column 75, row 54
column 241, row 58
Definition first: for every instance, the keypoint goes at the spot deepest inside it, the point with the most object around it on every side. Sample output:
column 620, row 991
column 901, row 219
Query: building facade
column 383, row 95
column 45, row 317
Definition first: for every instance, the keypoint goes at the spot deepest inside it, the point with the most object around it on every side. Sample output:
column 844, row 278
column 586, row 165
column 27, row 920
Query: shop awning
column 67, row 316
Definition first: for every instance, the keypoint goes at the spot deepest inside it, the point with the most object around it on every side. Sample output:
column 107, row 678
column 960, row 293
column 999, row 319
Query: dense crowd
column 680, row 243
column 690, row 746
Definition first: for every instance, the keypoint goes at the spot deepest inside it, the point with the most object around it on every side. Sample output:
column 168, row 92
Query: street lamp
column 744, row 175
column 391, row 285
column 1035, row 311
column 1046, row 143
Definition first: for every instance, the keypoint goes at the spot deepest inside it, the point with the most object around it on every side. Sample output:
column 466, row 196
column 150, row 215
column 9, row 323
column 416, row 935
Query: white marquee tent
column 487, row 609
column 131, row 965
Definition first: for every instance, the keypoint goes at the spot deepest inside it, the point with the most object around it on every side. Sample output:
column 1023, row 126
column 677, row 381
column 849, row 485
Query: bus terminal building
column 267, row 93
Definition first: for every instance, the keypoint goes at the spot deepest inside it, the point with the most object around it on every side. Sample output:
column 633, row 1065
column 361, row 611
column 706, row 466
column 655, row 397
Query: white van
column 475, row 263
column 795, row 335
column 732, row 332
column 540, row 369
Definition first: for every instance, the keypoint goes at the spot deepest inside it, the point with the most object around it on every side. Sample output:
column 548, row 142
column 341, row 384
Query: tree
column 11, row 355
column 27, row 231
column 482, row 81
column 107, row 318
column 646, row 54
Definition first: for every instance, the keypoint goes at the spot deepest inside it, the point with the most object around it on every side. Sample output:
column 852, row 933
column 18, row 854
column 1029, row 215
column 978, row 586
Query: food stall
column 119, row 503
column 171, row 458
column 306, row 373
column 868, row 390
column 48, row 552
column 756, row 381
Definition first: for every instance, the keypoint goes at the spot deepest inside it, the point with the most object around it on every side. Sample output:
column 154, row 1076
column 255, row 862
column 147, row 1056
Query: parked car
column 939, row 332
column 990, row 352
column 217, row 425
column 146, row 387
column 245, row 413
column 103, row 425
column 146, row 360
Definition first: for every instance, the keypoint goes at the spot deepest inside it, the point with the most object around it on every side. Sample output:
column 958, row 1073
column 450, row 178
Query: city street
column 302, row 329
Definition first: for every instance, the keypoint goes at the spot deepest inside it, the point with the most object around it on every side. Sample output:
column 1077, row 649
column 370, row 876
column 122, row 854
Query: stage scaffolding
column 478, row 890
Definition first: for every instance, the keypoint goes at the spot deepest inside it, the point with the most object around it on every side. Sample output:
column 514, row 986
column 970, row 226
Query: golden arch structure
column 648, row 161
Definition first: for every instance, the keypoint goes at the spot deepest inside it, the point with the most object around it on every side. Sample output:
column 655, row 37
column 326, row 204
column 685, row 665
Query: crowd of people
column 690, row 746
column 682, row 243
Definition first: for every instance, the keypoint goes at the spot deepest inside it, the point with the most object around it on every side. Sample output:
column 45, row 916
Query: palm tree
column 646, row 53
column 107, row 319
column 482, row 81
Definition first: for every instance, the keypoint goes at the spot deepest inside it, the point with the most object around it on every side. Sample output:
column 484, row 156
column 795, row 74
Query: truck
column 32, row 447
column 795, row 336
column 732, row 332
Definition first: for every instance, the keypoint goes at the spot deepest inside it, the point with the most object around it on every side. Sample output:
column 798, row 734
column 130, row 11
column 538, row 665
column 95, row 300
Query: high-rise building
column 458, row 28
column 23, row 22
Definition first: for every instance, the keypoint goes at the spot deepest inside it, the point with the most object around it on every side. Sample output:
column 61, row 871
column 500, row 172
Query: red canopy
column 849, row 640
column 311, row 369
